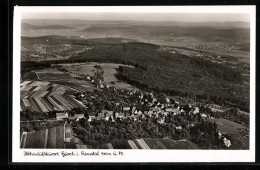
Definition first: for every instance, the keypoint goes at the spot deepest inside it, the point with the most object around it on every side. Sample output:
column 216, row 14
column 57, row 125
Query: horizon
column 137, row 20
column 156, row 17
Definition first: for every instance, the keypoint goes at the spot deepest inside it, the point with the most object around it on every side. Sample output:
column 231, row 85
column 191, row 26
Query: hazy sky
column 186, row 17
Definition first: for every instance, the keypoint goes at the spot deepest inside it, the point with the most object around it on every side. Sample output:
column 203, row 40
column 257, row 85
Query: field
column 227, row 126
column 79, row 70
column 49, row 138
column 238, row 131
column 42, row 96
column 88, row 69
column 62, row 78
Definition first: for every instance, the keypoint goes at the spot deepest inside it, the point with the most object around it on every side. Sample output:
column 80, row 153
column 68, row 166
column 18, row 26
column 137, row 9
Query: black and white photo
column 143, row 81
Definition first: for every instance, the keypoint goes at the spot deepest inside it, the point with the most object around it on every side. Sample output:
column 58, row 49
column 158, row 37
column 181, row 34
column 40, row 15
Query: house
column 155, row 109
column 150, row 113
column 160, row 121
column 79, row 116
column 227, row 143
column 133, row 116
column 133, row 109
column 126, row 108
column 101, row 115
column 76, row 116
column 93, row 118
column 109, row 113
column 139, row 113
column 219, row 135
column 216, row 108
column 162, row 106
column 120, row 115
column 203, row 115
column 196, row 110
column 61, row 116
column 179, row 127
column 104, row 112
column 165, row 113
column 173, row 110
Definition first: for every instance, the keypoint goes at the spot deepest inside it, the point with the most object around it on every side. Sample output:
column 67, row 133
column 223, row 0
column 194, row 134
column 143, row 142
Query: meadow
column 84, row 69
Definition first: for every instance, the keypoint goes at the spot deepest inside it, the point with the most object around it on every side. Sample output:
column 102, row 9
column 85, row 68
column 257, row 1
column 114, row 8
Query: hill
column 156, row 70
column 36, row 27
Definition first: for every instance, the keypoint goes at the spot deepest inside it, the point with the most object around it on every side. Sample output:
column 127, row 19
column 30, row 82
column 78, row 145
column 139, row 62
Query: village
column 110, row 104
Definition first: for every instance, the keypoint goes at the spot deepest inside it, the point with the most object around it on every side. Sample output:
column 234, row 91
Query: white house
column 61, row 116
column 196, row 110
column 178, row 127
column 203, row 115
column 126, row 108
column 227, row 143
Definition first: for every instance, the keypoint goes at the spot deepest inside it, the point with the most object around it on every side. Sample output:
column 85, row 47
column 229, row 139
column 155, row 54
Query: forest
column 158, row 71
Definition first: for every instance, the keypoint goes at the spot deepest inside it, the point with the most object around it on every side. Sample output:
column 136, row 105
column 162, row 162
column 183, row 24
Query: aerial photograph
column 99, row 80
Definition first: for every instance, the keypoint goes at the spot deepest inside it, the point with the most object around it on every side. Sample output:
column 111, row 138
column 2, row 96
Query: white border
column 135, row 155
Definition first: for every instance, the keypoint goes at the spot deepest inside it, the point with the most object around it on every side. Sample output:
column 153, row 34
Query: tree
column 98, row 75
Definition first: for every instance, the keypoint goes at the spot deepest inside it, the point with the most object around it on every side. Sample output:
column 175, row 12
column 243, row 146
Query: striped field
column 43, row 96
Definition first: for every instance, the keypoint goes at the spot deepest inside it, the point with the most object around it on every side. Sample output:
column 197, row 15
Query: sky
column 180, row 17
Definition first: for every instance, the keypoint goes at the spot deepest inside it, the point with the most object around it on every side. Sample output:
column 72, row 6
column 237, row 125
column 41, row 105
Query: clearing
column 88, row 69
